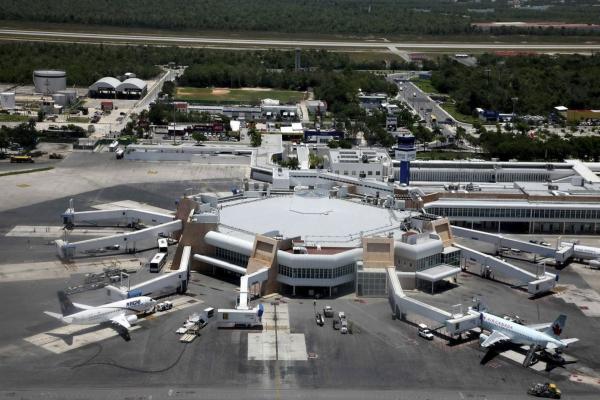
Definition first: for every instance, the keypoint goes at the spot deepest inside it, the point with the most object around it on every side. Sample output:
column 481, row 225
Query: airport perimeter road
column 204, row 40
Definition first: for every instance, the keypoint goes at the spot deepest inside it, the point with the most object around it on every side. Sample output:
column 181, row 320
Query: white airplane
column 122, row 313
column 583, row 252
column 538, row 337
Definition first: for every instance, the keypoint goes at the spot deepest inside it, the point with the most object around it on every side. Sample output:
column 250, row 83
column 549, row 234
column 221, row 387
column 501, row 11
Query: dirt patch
column 220, row 92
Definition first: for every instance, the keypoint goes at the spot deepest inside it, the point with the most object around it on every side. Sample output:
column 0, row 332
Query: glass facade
column 371, row 283
column 316, row 273
column 452, row 174
column 232, row 257
column 516, row 213
column 451, row 258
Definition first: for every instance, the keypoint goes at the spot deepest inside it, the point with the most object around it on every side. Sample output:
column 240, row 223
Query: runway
column 203, row 40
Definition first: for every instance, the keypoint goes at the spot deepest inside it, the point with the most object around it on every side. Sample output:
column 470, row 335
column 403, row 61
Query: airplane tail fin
column 557, row 326
column 66, row 307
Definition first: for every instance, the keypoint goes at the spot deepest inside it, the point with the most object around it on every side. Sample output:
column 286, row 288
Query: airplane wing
column 540, row 327
column 54, row 315
column 569, row 341
column 494, row 338
column 82, row 306
column 121, row 320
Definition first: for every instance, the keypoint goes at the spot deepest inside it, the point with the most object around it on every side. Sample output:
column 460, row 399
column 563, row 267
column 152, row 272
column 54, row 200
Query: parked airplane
column 583, row 252
column 122, row 312
column 538, row 337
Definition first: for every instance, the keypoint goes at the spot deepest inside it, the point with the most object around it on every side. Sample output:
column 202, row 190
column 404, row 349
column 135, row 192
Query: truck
column 232, row 318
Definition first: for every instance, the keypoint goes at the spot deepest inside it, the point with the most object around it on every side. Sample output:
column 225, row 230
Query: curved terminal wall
column 419, row 250
column 230, row 243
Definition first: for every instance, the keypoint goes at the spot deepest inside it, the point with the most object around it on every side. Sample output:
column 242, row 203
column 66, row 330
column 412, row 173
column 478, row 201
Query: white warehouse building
column 109, row 87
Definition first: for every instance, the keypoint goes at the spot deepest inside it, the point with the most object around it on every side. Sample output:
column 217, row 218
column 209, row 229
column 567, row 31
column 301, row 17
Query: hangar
column 109, row 87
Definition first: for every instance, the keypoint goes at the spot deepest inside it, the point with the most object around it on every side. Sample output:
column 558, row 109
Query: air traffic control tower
column 405, row 152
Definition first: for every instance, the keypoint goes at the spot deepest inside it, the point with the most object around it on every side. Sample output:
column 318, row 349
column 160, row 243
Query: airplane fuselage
column 105, row 313
column 519, row 334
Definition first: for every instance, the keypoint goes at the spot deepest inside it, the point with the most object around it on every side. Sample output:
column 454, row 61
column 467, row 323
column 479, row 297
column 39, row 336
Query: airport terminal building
column 321, row 245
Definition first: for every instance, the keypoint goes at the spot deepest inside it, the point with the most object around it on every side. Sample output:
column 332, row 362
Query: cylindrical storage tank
column 71, row 95
column 60, row 99
column 49, row 81
column 7, row 100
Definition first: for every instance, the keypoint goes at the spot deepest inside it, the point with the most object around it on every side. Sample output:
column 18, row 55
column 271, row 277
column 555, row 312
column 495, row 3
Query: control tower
column 405, row 152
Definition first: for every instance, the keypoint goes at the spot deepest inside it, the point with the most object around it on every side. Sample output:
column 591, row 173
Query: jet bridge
column 560, row 255
column 490, row 265
column 126, row 241
column 220, row 263
column 124, row 215
column 246, row 282
column 169, row 282
column 402, row 304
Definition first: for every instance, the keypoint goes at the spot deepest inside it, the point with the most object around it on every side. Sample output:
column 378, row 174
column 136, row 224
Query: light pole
column 174, row 124
column 514, row 104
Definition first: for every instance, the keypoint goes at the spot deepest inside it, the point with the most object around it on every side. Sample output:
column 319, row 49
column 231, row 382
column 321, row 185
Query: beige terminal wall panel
column 264, row 255
column 378, row 252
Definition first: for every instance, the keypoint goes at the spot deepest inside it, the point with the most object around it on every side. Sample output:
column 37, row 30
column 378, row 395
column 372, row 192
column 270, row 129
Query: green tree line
column 535, row 84
column 86, row 63
column 354, row 17
column 519, row 146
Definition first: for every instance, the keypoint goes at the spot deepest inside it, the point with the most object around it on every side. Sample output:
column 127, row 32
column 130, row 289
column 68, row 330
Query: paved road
column 424, row 106
column 200, row 40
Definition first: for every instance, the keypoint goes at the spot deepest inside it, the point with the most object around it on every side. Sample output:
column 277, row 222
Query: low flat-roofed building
column 371, row 100
column 362, row 163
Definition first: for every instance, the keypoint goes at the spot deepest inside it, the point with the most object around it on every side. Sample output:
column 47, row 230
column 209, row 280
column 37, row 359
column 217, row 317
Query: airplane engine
column 482, row 338
column 132, row 319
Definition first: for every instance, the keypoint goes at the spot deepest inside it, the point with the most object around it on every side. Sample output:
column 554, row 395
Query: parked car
column 319, row 319
column 328, row 312
column 424, row 332
column 547, row 390
column 344, row 327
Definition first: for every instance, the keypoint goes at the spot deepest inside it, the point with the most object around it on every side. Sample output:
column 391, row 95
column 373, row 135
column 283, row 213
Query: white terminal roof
column 315, row 217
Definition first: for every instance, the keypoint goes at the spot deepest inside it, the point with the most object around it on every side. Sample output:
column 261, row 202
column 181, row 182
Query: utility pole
column 174, row 124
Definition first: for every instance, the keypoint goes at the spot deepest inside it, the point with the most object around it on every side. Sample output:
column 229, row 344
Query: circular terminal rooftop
column 312, row 215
